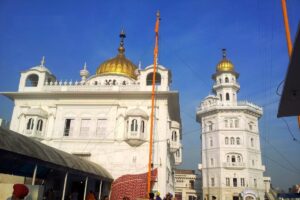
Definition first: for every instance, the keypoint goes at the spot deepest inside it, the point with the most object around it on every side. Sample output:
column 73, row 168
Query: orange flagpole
column 152, row 103
column 288, row 35
column 287, row 27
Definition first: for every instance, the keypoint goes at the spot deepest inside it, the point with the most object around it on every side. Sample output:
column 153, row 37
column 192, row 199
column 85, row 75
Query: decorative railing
column 226, row 84
column 34, row 133
column 234, row 165
column 215, row 104
column 81, row 86
column 174, row 145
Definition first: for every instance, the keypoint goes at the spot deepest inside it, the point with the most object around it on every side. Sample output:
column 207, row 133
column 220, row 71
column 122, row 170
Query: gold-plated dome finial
column 121, row 48
column 224, row 53
column 225, row 65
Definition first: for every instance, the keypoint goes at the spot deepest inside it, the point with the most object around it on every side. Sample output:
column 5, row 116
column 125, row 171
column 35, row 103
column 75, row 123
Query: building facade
column 105, row 117
column 231, row 157
column 187, row 185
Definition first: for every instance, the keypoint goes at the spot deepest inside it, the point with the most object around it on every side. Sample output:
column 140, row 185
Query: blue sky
column 192, row 34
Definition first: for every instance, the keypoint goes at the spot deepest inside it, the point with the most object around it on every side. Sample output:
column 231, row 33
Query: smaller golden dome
column 119, row 65
column 225, row 65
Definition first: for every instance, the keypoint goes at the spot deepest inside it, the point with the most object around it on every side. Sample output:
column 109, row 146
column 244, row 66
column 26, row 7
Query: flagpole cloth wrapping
column 131, row 185
column 152, row 101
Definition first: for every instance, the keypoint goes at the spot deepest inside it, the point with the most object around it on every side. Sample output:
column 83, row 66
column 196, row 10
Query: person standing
column 20, row 191
column 151, row 196
column 90, row 196
column 157, row 196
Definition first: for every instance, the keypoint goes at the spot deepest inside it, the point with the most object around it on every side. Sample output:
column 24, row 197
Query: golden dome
column 120, row 64
column 225, row 65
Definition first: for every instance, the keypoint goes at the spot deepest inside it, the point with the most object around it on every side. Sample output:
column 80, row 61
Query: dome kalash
column 118, row 65
column 225, row 65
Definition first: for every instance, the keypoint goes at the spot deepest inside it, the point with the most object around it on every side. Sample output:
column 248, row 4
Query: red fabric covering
column 132, row 186
column 20, row 190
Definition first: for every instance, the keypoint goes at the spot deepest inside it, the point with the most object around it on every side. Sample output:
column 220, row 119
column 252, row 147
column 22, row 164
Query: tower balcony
column 34, row 133
column 226, row 85
column 219, row 105
column 135, row 139
column 178, row 160
column 174, row 146
column 234, row 165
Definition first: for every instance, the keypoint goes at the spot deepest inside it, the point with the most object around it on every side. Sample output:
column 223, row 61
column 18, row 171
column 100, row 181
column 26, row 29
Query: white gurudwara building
column 105, row 117
column 231, row 157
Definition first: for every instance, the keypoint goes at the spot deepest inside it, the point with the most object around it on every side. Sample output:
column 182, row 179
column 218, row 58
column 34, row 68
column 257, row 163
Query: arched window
column 252, row 142
column 238, row 141
column 228, row 158
column 212, row 162
column 32, row 80
column 232, row 140
column 39, row 125
column 233, row 159
column 210, row 126
column 251, row 125
column 239, row 158
column 134, row 126
column 220, row 80
column 175, row 136
column 178, row 153
column 172, row 136
column 30, row 123
column 236, row 123
column 226, row 123
column 220, row 97
column 226, row 80
column 150, row 77
column 226, row 140
column 211, row 142
column 227, row 96
column 142, row 126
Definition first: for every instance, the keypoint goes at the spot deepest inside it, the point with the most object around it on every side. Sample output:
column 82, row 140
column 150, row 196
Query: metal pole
column 65, row 183
column 34, row 175
column 85, row 186
column 100, row 190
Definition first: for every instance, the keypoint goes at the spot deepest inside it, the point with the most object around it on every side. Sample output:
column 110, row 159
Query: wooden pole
column 153, row 103
column 288, row 35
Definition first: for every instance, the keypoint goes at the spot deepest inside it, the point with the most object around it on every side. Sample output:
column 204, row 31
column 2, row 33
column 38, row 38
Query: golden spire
column 121, row 48
column 224, row 53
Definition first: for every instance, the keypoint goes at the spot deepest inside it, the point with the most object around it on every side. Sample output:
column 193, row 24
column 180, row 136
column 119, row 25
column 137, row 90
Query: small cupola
column 36, row 77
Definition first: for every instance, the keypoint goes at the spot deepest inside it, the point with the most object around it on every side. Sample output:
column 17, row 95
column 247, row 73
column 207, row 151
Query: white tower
column 231, row 157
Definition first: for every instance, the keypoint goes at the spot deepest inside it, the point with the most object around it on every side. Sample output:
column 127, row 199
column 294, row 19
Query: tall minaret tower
column 231, row 158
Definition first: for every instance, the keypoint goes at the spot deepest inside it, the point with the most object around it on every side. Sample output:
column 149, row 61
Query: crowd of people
column 20, row 191
column 156, row 196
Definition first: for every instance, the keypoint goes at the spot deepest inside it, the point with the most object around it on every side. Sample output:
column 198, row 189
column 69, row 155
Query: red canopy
column 132, row 186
